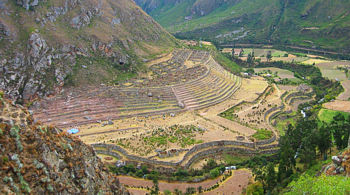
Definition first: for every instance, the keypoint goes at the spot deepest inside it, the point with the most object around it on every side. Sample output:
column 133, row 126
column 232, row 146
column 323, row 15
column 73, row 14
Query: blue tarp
column 73, row 131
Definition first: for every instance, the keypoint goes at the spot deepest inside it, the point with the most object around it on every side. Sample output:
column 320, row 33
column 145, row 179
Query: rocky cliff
column 36, row 159
column 45, row 44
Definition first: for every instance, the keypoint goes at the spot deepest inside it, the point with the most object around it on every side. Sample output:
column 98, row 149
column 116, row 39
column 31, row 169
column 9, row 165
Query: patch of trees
column 304, row 143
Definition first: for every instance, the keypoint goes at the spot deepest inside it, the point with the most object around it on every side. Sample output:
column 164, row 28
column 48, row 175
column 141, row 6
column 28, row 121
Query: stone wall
column 267, row 141
column 226, row 146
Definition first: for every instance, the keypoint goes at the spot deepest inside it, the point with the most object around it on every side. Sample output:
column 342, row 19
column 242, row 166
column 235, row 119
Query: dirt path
column 232, row 185
column 346, row 94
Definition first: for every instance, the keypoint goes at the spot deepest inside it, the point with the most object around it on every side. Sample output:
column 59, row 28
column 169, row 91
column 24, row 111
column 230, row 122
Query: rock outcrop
column 340, row 165
column 37, row 159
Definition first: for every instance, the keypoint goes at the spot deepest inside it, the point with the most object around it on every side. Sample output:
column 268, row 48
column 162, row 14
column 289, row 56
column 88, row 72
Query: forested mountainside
column 45, row 44
column 310, row 23
column 37, row 159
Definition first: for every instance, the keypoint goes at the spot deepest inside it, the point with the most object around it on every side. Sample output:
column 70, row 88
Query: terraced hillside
column 312, row 23
column 207, row 84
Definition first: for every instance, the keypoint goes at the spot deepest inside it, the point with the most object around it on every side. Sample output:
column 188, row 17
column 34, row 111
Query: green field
column 259, row 52
column 282, row 73
column 326, row 115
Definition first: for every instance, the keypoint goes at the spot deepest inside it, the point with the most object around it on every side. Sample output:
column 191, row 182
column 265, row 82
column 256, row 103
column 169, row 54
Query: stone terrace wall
column 227, row 146
column 267, row 141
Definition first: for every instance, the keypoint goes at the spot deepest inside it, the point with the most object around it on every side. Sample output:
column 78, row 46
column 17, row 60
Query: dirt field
column 338, row 105
column 232, row 185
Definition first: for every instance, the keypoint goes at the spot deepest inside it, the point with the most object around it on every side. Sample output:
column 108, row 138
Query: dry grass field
column 329, row 70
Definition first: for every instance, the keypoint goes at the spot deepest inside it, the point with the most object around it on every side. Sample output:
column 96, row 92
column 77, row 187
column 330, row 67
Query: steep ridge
column 45, row 45
column 311, row 23
column 38, row 159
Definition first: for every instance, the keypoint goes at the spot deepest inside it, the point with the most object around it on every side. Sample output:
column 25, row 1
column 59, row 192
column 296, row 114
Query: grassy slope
column 324, row 24
column 326, row 115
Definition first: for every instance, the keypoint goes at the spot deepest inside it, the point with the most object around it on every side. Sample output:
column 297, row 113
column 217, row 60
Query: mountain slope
column 45, row 45
column 311, row 23
column 37, row 159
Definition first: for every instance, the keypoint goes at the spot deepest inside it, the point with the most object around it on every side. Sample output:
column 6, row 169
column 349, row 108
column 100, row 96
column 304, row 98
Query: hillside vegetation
column 311, row 23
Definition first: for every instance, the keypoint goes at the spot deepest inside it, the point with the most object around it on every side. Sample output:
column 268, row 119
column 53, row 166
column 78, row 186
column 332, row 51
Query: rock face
column 28, row 3
column 42, row 160
column 40, row 47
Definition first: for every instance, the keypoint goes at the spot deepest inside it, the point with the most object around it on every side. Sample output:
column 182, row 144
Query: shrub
column 255, row 189
column 214, row 173
column 307, row 184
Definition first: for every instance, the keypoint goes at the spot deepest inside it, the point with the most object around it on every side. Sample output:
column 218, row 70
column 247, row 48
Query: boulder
column 336, row 160
column 181, row 105
column 110, row 122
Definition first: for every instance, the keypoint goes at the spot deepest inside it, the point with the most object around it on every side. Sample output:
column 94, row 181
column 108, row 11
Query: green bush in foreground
column 326, row 185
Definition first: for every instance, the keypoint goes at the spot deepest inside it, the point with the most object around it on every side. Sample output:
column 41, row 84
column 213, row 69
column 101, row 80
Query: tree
column 211, row 164
column 271, row 177
column 155, row 190
column 241, row 53
column 250, row 71
column 251, row 58
column 190, row 190
column 324, row 140
column 287, row 159
column 177, row 192
column 214, row 173
column 200, row 189
column 340, row 128
column 255, row 189
column 268, row 56
column 308, row 149
column 266, row 175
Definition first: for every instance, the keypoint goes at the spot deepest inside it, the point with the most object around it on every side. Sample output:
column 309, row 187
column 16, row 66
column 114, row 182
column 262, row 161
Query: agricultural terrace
column 166, row 118
column 263, row 114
